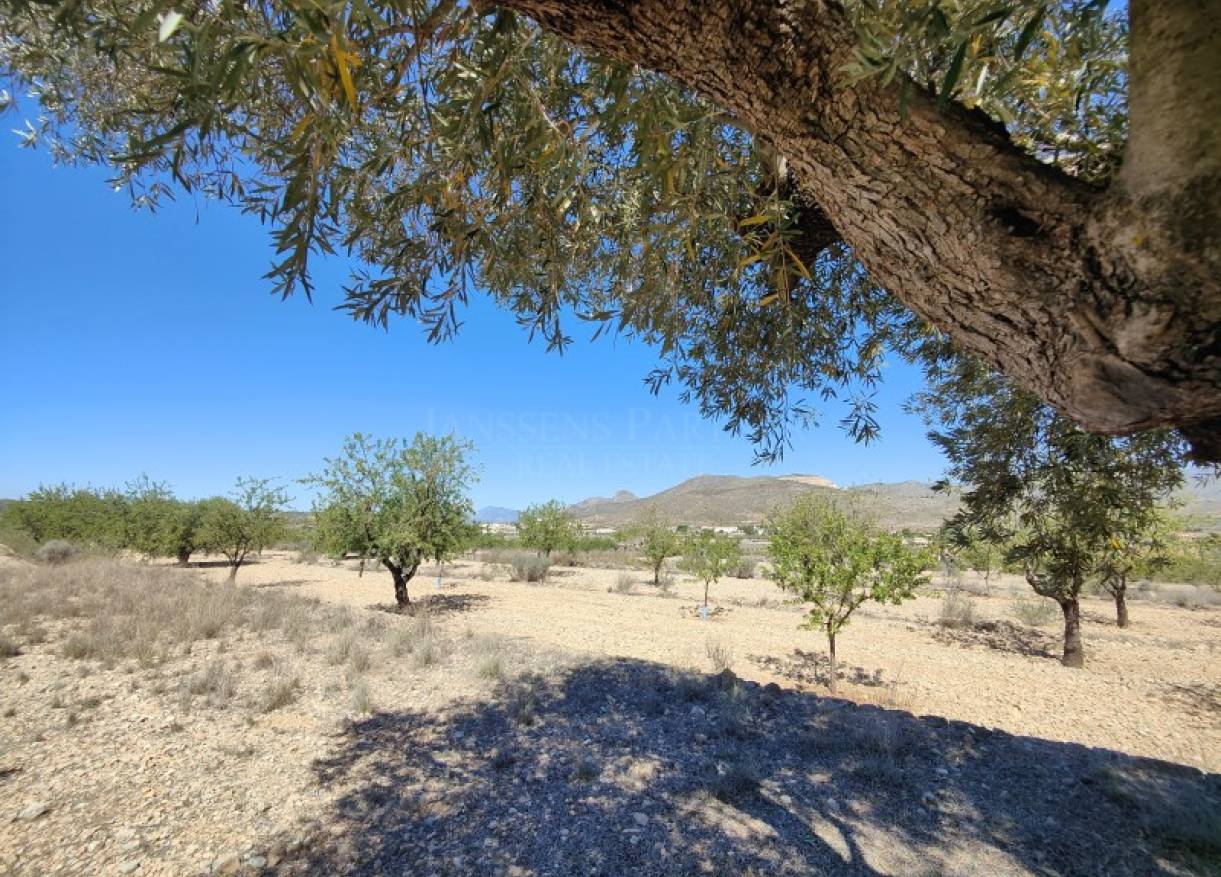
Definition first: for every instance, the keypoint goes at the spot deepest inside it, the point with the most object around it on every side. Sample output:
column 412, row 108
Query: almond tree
column 773, row 193
column 1060, row 498
column 658, row 540
column 708, row 556
column 548, row 526
column 396, row 502
column 836, row 563
column 245, row 524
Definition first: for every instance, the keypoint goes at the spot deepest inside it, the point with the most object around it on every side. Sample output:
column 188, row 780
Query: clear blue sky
column 133, row 342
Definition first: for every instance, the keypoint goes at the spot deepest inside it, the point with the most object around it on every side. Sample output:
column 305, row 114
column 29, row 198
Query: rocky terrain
column 155, row 721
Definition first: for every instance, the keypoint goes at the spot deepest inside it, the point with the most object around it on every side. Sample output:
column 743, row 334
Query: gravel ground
column 567, row 728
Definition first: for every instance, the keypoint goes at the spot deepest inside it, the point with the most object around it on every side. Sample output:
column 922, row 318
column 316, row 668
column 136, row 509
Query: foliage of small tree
column 1127, row 554
column 247, row 523
column 81, row 515
column 983, row 556
column 657, row 539
column 836, row 562
column 158, row 524
column 709, row 556
column 547, row 527
column 395, row 502
column 1060, row 497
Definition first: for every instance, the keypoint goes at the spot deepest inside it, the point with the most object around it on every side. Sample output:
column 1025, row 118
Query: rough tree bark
column 1119, row 590
column 833, row 671
column 1074, row 650
column 401, row 575
column 1105, row 302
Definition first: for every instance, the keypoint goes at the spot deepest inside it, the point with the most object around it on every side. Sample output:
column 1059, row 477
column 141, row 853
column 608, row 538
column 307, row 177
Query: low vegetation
column 709, row 556
column 835, row 562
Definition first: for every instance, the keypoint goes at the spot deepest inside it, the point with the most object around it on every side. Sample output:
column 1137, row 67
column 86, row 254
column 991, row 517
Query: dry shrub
column 57, row 551
column 744, row 568
column 215, row 682
column 8, row 647
column 525, row 567
column 624, row 582
column 118, row 611
column 720, row 654
column 1035, row 613
column 957, row 610
column 279, row 692
column 362, row 698
column 1193, row 596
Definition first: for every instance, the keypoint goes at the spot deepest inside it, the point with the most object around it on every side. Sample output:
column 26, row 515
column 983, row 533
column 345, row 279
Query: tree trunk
column 705, row 594
column 1074, row 651
column 233, row 571
column 1120, row 593
column 184, row 556
column 1106, row 302
column 657, row 573
column 400, row 585
column 833, row 670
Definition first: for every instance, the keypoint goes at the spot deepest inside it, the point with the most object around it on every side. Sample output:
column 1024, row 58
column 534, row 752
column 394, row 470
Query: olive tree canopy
column 775, row 194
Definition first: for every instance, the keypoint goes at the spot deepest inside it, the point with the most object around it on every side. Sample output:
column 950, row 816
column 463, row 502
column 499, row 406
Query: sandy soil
column 569, row 728
column 1152, row 689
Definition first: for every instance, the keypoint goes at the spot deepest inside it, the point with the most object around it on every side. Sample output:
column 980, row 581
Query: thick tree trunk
column 1074, row 651
column 400, row 585
column 657, row 573
column 833, row 670
column 1107, row 303
column 184, row 556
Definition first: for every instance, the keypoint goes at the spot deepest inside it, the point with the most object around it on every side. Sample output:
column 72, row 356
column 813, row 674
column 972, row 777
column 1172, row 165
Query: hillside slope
column 722, row 500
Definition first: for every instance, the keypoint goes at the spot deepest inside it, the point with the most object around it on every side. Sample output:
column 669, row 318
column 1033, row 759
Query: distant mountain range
column 726, row 500
column 494, row 514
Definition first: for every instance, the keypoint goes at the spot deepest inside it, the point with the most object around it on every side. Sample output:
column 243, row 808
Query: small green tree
column 548, row 526
column 657, row 538
column 983, row 556
column 1143, row 549
column 836, row 562
column 1057, row 495
column 247, row 523
column 396, row 502
column 708, row 556
column 158, row 524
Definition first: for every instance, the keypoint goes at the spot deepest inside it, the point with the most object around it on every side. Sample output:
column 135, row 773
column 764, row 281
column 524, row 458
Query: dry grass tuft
column 957, row 610
column 278, row 693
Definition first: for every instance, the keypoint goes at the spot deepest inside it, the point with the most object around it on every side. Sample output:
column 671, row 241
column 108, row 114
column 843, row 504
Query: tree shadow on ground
column 216, row 564
column 1199, row 699
column 1000, row 636
column 628, row 768
column 283, row 583
column 811, row 668
column 437, row 605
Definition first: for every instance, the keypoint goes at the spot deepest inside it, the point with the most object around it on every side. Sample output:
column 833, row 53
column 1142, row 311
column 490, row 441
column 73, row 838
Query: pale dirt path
column 1149, row 690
